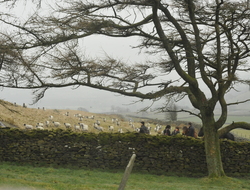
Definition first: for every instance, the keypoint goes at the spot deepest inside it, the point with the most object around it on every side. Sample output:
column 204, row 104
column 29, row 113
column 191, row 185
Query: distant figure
column 143, row 128
column 191, row 130
column 167, row 130
column 176, row 131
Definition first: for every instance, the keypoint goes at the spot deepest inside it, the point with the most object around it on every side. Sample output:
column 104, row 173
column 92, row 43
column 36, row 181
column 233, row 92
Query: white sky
column 92, row 99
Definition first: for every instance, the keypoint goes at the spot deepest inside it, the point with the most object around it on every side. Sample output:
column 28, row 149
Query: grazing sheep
column 104, row 119
column 40, row 124
column 77, row 128
column 84, row 127
column 47, row 123
column 81, row 124
column 111, row 128
column 120, row 130
column 95, row 125
column 67, row 125
column 51, row 117
column 158, row 127
column 92, row 117
column 149, row 129
column 98, row 122
column 137, row 130
column 28, row 126
column 98, row 128
column 130, row 122
column 78, row 115
column 39, row 127
column 56, row 124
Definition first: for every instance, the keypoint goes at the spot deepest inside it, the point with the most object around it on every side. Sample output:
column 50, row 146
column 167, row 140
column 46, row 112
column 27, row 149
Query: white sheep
column 98, row 122
column 95, row 125
column 77, row 128
column 158, row 127
column 98, row 128
column 149, row 129
column 130, row 122
column 78, row 115
column 81, row 125
column 39, row 127
column 51, row 117
column 84, row 127
column 56, row 123
column 120, row 130
column 28, row 126
column 47, row 123
column 137, row 130
column 40, row 124
column 111, row 128
column 92, row 117
column 67, row 125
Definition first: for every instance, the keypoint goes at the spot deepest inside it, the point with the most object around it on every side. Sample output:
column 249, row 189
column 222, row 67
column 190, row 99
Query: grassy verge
column 41, row 178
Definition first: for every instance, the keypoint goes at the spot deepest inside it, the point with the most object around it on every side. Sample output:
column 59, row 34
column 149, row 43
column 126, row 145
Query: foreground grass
column 41, row 178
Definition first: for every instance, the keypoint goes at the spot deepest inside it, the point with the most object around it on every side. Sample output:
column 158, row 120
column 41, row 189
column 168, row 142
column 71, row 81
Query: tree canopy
column 203, row 42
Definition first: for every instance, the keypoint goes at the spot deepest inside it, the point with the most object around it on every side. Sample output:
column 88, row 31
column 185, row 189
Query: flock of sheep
column 91, row 123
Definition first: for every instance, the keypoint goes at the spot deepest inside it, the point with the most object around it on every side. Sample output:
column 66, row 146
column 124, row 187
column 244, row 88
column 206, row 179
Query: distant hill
column 13, row 115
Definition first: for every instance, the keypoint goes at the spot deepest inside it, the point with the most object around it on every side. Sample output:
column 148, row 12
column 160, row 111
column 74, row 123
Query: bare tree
column 203, row 42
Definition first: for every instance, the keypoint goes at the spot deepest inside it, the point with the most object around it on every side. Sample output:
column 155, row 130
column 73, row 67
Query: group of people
column 168, row 132
column 187, row 131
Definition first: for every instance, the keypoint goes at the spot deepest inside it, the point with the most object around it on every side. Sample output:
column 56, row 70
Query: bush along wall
column 154, row 154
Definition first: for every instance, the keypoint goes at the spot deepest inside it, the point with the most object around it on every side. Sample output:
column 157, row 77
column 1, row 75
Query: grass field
column 18, row 116
column 30, row 178
column 40, row 178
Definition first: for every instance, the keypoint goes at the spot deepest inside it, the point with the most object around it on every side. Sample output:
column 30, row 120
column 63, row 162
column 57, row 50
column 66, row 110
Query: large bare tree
column 204, row 42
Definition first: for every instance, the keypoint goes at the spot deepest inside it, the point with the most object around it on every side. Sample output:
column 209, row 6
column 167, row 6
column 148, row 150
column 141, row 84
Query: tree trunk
column 212, row 148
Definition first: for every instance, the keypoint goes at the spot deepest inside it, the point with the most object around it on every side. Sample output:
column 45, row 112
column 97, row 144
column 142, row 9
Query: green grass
column 41, row 178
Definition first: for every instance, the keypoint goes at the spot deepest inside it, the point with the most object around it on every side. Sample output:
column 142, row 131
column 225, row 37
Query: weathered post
column 127, row 172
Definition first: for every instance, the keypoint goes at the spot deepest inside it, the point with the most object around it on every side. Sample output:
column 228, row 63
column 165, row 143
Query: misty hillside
column 12, row 115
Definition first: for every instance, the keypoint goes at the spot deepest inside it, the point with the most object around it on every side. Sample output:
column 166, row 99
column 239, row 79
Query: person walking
column 143, row 128
column 176, row 131
column 167, row 130
column 191, row 130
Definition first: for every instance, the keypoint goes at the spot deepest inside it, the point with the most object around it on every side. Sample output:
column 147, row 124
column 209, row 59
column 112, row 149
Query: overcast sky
column 92, row 99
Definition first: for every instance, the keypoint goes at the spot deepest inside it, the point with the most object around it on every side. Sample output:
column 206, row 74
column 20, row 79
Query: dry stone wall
column 154, row 154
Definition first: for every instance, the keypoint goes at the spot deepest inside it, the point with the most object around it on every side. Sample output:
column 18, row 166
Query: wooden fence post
column 127, row 172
